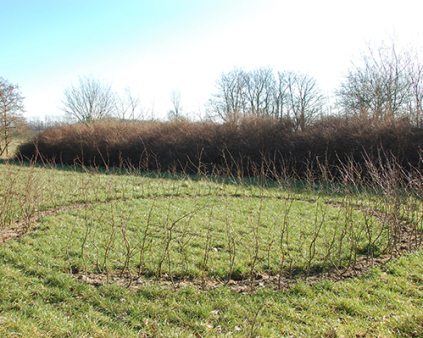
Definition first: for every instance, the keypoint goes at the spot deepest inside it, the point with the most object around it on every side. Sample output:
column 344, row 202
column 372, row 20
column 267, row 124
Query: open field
column 134, row 254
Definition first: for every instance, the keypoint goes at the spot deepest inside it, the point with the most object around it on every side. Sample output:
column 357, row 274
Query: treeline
column 386, row 83
column 258, row 120
column 254, row 146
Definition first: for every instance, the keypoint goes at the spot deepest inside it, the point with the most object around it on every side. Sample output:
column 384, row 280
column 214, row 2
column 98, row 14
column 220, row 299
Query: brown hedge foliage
column 238, row 148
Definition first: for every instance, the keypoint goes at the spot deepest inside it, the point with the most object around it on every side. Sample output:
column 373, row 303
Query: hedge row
column 242, row 148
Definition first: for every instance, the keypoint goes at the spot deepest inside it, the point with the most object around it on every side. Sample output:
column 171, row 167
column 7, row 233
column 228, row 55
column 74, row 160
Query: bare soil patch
column 246, row 285
column 21, row 227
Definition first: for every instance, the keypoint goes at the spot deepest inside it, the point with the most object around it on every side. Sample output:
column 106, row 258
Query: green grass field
column 87, row 253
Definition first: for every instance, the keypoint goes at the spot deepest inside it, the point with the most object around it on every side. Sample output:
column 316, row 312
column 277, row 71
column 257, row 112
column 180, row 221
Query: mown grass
column 196, row 227
column 38, row 299
column 215, row 236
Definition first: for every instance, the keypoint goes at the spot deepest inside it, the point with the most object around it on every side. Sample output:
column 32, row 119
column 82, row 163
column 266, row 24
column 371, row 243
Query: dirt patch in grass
column 21, row 227
column 246, row 285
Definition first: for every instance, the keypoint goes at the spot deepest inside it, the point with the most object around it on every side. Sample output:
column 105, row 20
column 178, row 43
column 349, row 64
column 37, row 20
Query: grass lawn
column 130, row 254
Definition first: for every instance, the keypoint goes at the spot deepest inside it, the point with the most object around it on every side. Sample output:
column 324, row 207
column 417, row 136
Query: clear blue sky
column 157, row 46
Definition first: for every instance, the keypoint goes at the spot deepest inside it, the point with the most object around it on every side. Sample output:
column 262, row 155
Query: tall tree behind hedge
column 11, row 118
column 294, row 97
column 386, row 82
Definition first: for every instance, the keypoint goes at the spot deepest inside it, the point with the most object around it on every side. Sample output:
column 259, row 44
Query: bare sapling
column 387, row 179
column 233, row 175
column 330, row 245
column 350, row 176
column 370, row 232
column 199, row 168
column 144, row 240
column 414, row 206
column 29, row 200
column 88, row 229
column 184, row 238
column 167, row 238
column 415, row 219
column 68, row 243
column 298, row 255
column 270, row 242
column 284, row 239
column 207, row 248
column 319, row 220
column 327, row 179
column 128, row 250
column 169, row 228
column 254, row 250
column 9, row 183
column 231, row 243
column 110, row 233
column 342, row 235
column 310, row 178
column 352, row 181
column 353, row 238
column 253, row 319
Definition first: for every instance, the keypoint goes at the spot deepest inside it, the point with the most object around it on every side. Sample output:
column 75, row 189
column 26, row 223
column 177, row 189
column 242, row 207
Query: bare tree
column 241, row 94
column 11, row 107
column 259, row 92
column 128, row 107
column 384, row 84
column 229, row 102
column 281, row 97
column 91, row 100
column 416, row 91
column 175, row 98
column 294, row 96
column 304, row 99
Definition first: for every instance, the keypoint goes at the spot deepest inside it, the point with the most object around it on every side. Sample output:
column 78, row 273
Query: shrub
column 253, row 145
